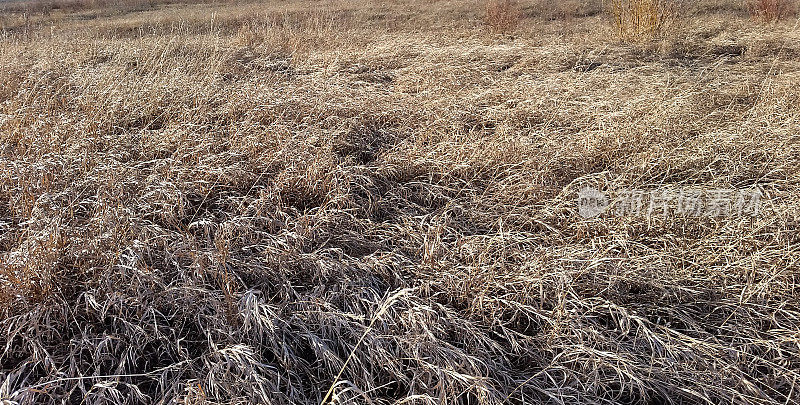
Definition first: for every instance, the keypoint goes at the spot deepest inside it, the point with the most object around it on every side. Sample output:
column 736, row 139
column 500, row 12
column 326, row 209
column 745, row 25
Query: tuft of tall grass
column 641, row 19
column 502, row 16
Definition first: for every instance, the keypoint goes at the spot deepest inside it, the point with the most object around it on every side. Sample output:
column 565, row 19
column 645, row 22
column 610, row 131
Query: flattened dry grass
column 269, row 203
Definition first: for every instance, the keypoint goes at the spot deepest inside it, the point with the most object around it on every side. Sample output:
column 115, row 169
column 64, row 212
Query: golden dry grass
column 268, row 203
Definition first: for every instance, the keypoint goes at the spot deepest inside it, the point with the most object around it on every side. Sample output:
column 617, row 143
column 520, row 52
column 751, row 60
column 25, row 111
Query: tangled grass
column 375, row 203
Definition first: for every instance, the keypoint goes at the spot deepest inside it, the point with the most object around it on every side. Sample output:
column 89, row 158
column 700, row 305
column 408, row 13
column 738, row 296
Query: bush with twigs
column 502, row 16
column 771, row 10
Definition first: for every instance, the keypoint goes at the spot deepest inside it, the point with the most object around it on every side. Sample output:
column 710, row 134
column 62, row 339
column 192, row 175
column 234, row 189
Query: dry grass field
column 343, row 201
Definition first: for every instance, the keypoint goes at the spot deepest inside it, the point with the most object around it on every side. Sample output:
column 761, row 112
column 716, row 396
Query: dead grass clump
column 502, row 16
column 641, row 19
column 771, row 10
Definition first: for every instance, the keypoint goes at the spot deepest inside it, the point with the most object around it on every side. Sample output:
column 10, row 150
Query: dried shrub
column 771, row 10
column 502, row 16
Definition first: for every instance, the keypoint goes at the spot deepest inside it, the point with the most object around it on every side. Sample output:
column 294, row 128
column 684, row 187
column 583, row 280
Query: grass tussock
column 376, row 203
column 641, row 19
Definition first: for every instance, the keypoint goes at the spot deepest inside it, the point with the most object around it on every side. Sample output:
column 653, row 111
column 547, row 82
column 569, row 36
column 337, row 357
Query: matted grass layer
column 233, row 203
